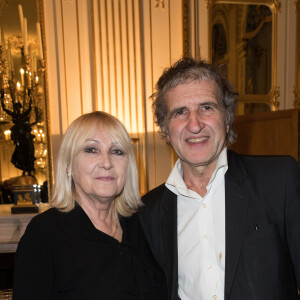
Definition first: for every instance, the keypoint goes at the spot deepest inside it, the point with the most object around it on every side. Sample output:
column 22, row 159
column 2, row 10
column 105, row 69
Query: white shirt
column 201, row 234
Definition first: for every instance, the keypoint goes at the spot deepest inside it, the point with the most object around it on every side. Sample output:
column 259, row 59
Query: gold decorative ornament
column 274, row 102
column 159, row 3
column 296, row 102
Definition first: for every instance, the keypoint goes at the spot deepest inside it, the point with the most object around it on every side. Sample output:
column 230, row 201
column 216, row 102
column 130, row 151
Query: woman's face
column 100, row 168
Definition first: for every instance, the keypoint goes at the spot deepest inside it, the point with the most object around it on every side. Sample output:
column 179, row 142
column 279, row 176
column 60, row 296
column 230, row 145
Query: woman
column 89, row 244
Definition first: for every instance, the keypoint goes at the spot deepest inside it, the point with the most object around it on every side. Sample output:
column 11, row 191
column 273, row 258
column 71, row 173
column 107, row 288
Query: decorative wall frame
column 28, row 57
column 269, row 98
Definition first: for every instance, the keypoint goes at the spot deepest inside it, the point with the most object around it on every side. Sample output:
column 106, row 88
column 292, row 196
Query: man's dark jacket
column 262, row 213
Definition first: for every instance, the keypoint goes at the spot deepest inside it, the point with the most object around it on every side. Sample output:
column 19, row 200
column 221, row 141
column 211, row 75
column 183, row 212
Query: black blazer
column 262, row 213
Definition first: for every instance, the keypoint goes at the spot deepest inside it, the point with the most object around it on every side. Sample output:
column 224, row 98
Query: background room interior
column 79, row 56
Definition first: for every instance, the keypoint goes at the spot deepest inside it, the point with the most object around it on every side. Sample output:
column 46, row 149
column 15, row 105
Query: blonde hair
column 83, row 128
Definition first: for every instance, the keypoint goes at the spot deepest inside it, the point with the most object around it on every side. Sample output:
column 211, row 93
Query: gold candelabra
column 22, row 126
column 22, row 103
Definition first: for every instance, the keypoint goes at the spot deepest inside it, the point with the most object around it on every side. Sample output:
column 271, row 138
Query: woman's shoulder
column 54, row 219
column 49, row 214
column 42, row 221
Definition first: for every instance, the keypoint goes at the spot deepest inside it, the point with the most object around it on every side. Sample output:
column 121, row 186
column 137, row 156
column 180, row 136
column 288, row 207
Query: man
column 223, row 226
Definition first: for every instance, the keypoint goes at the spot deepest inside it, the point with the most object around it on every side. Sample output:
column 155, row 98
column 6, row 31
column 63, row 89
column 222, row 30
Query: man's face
column 196, row 123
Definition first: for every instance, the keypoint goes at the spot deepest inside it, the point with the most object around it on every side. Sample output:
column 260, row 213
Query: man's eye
column 118, row 152
column 207, row 107
column 179, row 112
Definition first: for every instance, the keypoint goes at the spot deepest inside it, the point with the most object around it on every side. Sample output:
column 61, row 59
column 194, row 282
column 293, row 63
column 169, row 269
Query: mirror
column 243, row 41
column 24, row 138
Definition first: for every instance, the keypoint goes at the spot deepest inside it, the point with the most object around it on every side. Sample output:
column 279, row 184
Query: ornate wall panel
column 68, row 65
column 162, row 45
column 117, row 67
column 297, row 65
column 118, row 61
column 286, row 58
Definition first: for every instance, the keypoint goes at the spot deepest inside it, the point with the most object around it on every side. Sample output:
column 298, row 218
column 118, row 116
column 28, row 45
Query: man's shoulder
column 260, row 160
column 158, row 199
column 155, row 194
column 262, row 167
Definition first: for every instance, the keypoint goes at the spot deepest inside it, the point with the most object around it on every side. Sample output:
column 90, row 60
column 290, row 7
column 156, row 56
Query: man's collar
column 175, row 179
column 222, row 162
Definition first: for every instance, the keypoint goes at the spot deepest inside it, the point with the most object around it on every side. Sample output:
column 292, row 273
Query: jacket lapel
column 236, row 205
column 159, row 221
column 169, row 237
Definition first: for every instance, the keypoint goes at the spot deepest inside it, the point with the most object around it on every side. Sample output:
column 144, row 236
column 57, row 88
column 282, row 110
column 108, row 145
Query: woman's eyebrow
column 92, row 140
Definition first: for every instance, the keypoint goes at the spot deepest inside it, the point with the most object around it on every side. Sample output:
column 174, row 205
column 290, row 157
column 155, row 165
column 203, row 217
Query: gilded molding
column 159, row 3
column 274, row 102
column 50, row 173
column 296, row 91
column 186, row 28
column 239, row 29
column 3, row 5
column 296, row 102
column 275, row 5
